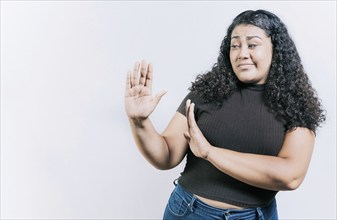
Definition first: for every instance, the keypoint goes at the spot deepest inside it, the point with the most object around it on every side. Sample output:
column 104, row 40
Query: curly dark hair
column 288, row 91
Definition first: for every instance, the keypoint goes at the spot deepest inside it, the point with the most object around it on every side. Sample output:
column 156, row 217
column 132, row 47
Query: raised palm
column 139, row 103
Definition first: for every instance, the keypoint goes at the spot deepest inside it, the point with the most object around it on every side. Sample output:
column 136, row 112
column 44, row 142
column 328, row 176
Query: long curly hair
column 288, row 92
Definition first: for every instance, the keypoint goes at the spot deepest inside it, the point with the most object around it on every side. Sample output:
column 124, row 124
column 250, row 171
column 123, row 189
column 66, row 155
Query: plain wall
column 66, row 147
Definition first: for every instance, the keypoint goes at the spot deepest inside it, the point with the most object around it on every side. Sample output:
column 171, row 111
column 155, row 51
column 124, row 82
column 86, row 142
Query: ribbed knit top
column 244, row 124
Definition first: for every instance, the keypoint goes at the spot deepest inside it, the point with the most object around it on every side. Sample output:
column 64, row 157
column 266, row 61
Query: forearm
column 286, row 171
column 150, row 143
column 268, row 172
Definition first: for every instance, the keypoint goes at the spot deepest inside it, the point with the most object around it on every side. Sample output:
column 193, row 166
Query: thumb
column 187, row 136
column 159, row 95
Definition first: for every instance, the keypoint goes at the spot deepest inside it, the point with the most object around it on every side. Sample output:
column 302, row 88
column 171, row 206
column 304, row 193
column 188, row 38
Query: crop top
column 244, row 124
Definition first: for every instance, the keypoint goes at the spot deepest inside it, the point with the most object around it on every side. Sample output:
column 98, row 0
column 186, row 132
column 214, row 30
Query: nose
column 243, row 53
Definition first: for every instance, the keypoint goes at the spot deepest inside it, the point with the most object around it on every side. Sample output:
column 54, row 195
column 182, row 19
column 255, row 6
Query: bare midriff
column 218, row 204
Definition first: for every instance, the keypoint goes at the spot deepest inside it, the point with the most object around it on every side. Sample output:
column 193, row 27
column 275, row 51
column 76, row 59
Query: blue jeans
column 186, row 206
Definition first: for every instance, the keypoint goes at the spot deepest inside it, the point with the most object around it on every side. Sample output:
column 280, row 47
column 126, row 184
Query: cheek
column 232, row 58
column 268, row 57
column 263, row 58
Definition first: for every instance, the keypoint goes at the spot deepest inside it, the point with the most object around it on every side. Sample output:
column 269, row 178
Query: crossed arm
column 283, row 172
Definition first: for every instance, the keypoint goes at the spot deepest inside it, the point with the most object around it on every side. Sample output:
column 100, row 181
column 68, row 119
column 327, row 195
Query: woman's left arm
column 286, row 171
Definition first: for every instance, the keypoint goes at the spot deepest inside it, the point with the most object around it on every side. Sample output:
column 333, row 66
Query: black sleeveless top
column 243, row 123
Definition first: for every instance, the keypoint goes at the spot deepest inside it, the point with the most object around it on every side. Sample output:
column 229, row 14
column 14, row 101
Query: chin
column 247, row 80
column 251, row 79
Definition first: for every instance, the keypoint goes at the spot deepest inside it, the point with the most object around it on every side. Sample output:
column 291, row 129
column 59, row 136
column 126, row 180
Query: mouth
column 245, row 64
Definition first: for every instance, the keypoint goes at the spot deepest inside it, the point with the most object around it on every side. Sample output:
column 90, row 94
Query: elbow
column 286, row 181
column 158, row 165
column 290, row 184
column 293, row 185
column 162, row 165
column 288, row 178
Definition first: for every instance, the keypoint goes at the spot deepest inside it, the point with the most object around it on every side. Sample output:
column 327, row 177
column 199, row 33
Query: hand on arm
column 197, row 142
column 283, row 172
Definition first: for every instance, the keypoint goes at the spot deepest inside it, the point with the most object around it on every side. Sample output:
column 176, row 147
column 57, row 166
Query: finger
column 149, row 76
column 187, row 107
column 143, row 70
column 128, row 81
column 134, row 79
column 187, row 136
column 191, row 119
column 158, row 96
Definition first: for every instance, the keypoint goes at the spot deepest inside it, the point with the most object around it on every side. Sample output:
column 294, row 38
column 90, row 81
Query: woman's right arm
column 166, row 150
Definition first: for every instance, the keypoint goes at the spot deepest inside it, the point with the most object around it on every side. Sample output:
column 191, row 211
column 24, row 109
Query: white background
column 66, row 148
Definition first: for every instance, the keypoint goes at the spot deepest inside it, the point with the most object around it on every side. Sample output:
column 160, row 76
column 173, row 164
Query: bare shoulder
column 300, row 134
column 298, row 141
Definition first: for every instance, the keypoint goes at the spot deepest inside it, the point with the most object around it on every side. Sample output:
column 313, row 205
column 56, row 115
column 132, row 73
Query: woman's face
column 251, row 54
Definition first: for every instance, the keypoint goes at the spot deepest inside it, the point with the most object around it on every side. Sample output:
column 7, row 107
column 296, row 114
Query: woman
column 247, row 126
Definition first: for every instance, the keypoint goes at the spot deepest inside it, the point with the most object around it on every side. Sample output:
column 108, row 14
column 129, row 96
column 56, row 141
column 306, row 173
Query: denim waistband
column 196, row 205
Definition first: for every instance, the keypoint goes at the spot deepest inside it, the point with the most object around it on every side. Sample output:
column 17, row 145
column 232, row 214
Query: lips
column 245, row 64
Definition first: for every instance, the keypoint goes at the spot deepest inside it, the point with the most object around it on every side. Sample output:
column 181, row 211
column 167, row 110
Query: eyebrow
column 248, row 38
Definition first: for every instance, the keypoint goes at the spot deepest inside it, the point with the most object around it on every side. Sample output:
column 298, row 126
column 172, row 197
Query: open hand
column 139, row 103
column 198, row 144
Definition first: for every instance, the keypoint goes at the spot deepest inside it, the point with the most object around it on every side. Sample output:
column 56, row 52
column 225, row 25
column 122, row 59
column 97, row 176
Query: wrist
column 209, row 152
column 137, row 122
column 206, row 154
